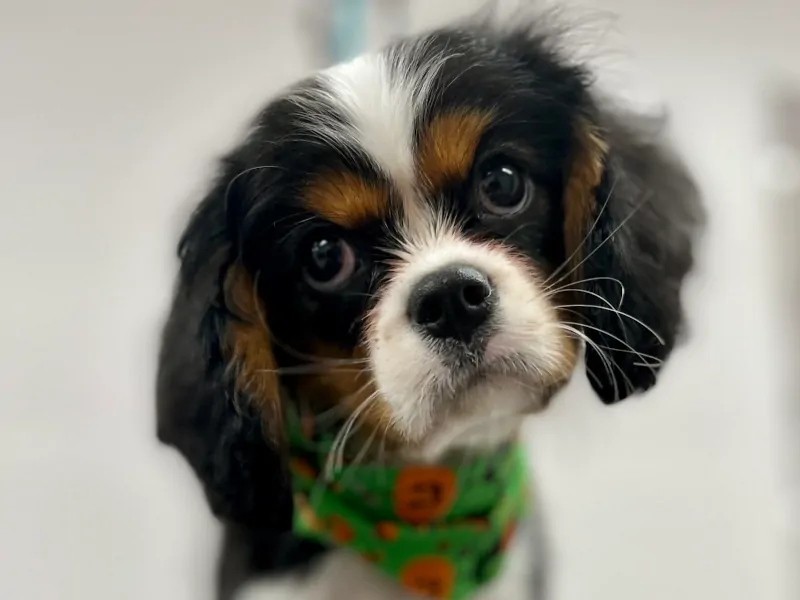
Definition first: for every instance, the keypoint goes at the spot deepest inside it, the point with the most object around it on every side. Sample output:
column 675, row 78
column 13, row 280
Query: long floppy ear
column 632, row 245
column 216, row 386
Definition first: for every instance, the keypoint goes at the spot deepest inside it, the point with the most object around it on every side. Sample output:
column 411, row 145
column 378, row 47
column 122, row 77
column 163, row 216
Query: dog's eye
column 503, row 189
column 329, row 262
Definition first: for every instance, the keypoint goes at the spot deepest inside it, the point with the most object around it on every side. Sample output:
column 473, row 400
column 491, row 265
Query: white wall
column 111, row 114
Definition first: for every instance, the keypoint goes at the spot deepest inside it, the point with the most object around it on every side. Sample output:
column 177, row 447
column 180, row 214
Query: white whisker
column 621, row 314
column 336, row 455
column 585, row 237
column 608, row 363
column 601, row 244
column 616, row 338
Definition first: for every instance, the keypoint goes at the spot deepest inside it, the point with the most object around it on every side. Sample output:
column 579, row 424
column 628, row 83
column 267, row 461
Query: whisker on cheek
column 362, row 453
column 332, row 415
column 619, row 313
column 608, row 363
column 314, row 369
column 518, row 229
column 550, row 291
column 655, row 361
column 335, row 458
column 615, row 338
column 603, row 242
column 585, row 239
column 357, row 295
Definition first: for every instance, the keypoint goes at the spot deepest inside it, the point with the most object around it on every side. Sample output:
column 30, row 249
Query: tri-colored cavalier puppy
column 405, row 257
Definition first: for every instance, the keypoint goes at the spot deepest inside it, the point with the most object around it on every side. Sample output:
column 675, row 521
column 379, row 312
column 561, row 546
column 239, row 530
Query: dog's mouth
column 472, row 376
column 481, row 407
column 472, row 365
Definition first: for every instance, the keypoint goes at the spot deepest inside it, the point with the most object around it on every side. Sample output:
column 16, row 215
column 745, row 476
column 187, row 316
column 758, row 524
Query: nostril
column 429, row 311
column 474, row 295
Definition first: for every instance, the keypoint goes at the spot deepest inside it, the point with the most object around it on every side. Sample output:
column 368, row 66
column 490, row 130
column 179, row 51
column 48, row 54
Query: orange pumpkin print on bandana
column 431, row 576
column 341, row 532
column 302, row 468
column 387, row 531
column 423, row 494
column 508, row 534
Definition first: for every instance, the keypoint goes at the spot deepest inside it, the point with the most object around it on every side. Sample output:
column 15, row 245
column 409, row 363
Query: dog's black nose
column 451, row 303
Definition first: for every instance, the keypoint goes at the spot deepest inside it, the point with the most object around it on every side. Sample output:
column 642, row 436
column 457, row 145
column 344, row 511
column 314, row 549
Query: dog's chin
column 479, row 413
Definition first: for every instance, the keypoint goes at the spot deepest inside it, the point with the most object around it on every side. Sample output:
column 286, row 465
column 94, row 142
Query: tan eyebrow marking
column 346, row 199
column 447, row 148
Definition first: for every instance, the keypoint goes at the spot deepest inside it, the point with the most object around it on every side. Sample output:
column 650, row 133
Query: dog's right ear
column 637, row 243
column 217, row 391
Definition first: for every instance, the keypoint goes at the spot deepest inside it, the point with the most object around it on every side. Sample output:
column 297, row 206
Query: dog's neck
column 464, row 437
column 494, row 426
column 440, row 529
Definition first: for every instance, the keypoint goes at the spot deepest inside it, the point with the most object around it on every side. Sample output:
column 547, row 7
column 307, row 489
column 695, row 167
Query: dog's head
column 422, row 239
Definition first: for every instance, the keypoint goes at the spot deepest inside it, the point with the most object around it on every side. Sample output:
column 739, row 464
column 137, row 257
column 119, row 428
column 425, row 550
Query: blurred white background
column 111, row 113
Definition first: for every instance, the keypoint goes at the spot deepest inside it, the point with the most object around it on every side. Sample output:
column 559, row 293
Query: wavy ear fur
column 631, row 214
column 215, row 391
column 635, row 257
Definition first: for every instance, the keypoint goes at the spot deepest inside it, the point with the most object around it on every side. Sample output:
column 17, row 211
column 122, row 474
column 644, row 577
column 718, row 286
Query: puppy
column 407, row 254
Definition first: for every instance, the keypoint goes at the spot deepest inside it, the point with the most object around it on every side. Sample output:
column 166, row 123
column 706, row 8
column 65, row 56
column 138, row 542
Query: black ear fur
column 198, row 411
column 648, row 214
column 644, row 234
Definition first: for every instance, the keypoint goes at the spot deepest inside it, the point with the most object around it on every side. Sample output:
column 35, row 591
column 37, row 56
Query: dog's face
column 412, row 217
column 425, row 237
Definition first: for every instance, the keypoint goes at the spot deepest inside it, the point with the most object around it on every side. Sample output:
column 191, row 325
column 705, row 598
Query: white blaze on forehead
column 380, row 112
column 376, row 101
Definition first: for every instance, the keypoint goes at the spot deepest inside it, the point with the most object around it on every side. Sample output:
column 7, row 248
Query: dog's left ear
column 632, row 213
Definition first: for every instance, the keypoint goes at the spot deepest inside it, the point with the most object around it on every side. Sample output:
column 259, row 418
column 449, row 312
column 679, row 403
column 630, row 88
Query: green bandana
column 440, row 531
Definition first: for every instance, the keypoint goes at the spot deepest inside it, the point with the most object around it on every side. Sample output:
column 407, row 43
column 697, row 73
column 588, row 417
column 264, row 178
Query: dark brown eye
column 329, row 262
column 503, row 189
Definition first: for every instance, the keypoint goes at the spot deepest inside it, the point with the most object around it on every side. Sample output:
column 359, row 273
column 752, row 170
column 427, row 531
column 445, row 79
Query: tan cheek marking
column 585, row 174
column 348, row 386
column 346, row 199
column 249, row 348
column 447, row 148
